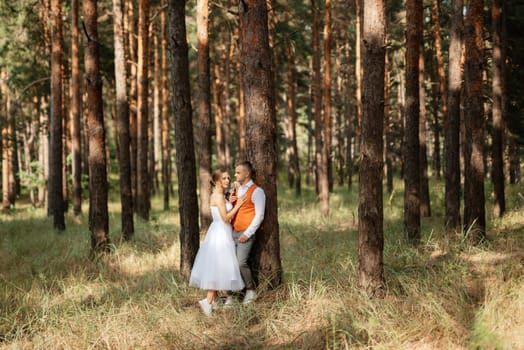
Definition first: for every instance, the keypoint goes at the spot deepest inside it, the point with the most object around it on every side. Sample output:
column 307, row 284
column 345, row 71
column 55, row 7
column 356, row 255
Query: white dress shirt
column 258, row 197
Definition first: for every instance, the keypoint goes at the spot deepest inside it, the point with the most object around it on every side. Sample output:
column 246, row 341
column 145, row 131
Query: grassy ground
column 442, row 294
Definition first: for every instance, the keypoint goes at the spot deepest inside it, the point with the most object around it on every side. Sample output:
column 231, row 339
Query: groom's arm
column 259, row 200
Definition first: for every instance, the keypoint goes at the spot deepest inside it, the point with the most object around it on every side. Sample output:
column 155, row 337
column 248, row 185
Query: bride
column 216, row 266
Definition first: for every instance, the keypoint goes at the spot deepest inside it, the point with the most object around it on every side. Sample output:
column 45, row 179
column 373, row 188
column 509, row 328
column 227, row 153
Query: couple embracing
column 222, row 260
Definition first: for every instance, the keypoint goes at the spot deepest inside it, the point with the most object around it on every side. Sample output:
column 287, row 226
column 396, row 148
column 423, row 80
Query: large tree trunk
column 322, row 179
column 76, row 99
column 98, row 211
column 55, row 195
column 204, row 112
column 452, row 122
column 122, row 115
column 132, row 59
column 6, row 164
column 498, row 12
column 261, row 133
column 474, row 201
column 185, row 150
column 142, row 175
column 411, row 149
column 370, row 209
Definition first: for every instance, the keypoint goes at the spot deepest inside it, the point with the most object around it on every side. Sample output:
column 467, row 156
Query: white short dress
column 216, row 265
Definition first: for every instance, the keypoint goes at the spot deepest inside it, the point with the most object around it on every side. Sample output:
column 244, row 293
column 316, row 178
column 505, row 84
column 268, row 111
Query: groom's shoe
column 206, row 307
column 249, row 297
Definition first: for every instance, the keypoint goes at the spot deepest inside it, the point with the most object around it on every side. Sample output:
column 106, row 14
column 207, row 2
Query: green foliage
column 33, row 179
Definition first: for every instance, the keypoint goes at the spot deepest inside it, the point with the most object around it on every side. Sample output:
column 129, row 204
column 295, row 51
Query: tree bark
column 425, row 205
column 411, row 149
column 452, row 122
column 166, row 181
column 122, row 115
column 370, row 209
column 142, row 175
column 76, row 99
column 498, row 12
column 441, row 97
column 55, row 195
column 322, row 178
column 98, row 211
column 474, row 201
column 261, row 133
column 204, row 112
column 185, row 150
column 326, row 98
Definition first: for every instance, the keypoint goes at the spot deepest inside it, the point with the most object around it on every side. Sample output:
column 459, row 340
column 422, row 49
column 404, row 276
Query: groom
column 247, row 221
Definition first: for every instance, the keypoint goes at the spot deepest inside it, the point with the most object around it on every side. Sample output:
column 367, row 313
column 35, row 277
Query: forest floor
column 441, row 294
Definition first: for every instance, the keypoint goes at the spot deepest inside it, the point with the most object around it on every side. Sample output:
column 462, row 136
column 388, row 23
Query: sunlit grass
column 441, row 294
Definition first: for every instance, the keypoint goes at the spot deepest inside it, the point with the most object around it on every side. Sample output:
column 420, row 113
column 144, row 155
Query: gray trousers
column 243, row 250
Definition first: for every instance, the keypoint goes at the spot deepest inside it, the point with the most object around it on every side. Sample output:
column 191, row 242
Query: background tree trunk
column 185, row 150
column 425, row 205
column 165, row 113
column 441, row 97
column 142, row 177
column 326, row 98
column 411, row 149
column 55, row 195
column 122, row 115
column 474, row 207
column 261, row 138
column 370, row 209
column 498, row 12
column 452, row 121
column 98, row 211
column 76, row 99
column 204, row 113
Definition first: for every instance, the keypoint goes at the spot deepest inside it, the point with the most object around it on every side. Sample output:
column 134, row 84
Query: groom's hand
column 243, row 238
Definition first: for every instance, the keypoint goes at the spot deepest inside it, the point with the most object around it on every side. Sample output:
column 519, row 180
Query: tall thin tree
column 122, row 115
column 185, row 150
column 98, row 211
column 370, row 208
column 261, row 132
column 76, row 98
column 411, row 151
column 55, row 195
column 326, row 98
column 498, row 12
column 142, row 175
column 474, row 200
column 452, row 121
column 204, row 112
column 165, row 113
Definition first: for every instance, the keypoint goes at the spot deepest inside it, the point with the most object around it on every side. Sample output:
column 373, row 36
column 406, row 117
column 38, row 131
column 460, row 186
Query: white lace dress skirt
column 216, row 265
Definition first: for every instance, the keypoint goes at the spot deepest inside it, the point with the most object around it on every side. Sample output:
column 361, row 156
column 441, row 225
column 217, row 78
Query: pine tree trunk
column 326, row 98
column 261, row 133
column 55, row 195
column 388, row 141
column 75, row 111
column 441, row 97
column 452, row 122
column 98, row 211
column 122, row 115
column 498, row 12
column 132, row 59
column 165, row 113
column 322, row 176
column 474, row 201
column 425, row 207
column 6, row 164
column 411, row 151
column 294, row 177
column 370, row 210
column 185, row 150
column 142, row 169
column 204, row 112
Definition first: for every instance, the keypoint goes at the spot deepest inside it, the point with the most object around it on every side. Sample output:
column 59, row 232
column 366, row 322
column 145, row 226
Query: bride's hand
column 241, row 200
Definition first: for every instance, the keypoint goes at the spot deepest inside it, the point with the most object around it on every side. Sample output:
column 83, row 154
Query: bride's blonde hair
column 217, row 174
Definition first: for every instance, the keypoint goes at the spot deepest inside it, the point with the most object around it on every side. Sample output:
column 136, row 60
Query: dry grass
column 442, row 294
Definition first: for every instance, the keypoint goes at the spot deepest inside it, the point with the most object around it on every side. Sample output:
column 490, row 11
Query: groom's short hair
column 247, row 164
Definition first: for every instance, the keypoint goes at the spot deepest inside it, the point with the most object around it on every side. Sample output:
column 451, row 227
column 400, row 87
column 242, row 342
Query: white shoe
column 249, row 297
column 206, row 307
column 230, row 301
